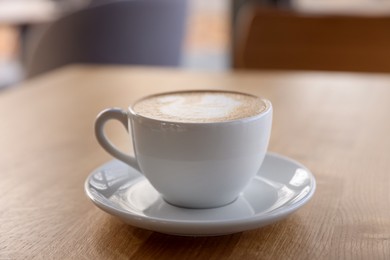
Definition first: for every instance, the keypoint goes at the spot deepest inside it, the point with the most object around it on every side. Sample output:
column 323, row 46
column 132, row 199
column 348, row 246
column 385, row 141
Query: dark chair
column 141, row 32
column 281, row 39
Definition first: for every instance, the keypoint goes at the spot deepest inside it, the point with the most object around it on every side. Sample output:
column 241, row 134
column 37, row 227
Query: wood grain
column 337, row 124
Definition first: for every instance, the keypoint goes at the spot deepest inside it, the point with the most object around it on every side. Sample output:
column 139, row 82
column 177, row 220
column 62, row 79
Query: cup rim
column 267, row 103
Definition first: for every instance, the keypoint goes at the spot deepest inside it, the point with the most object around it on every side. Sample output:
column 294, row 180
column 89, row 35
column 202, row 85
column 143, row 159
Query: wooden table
column 337, row 125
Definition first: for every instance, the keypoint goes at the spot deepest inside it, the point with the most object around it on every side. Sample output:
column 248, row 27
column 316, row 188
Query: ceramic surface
column 281, row 187
column 202, row 158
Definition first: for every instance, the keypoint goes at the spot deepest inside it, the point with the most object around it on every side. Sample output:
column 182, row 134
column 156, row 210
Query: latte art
column 200, row 106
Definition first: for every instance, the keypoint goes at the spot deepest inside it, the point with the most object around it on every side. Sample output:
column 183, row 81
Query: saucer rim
column 263, row 217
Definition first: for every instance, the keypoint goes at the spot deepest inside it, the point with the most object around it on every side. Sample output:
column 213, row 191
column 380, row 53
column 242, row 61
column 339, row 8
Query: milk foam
column 207, row 107
column 200, row 106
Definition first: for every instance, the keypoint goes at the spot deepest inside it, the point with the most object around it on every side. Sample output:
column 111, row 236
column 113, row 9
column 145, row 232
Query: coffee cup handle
column 101, row 119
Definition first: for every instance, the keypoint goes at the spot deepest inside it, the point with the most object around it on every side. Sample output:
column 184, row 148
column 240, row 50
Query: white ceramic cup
column 194, row 165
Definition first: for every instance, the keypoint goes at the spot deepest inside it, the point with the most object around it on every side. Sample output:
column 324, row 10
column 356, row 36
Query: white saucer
column 280, row 187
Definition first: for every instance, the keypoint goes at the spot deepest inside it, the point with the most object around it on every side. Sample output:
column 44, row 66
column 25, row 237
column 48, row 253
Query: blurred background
column 204, row 44
column 37, row 36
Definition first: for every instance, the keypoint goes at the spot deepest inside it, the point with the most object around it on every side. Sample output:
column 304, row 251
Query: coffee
column 189, row 157
column 200, row 106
